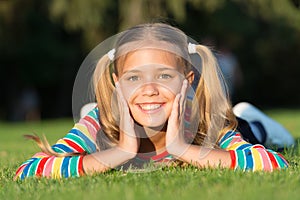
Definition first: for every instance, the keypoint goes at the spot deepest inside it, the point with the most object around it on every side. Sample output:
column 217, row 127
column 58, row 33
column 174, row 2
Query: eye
column 133, row 78
column 164, row 76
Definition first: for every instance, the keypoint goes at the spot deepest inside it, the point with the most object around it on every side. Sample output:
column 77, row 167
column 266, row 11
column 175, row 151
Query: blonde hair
column 211, row 103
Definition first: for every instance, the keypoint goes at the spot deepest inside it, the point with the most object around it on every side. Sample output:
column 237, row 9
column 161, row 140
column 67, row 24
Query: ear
column 115, row 78
column 190, row 77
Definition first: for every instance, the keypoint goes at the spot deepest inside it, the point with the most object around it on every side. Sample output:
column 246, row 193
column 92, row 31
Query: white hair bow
column 192, row 48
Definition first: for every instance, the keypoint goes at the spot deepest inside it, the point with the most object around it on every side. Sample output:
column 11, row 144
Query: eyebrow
column 132, row 71
column 138, row 71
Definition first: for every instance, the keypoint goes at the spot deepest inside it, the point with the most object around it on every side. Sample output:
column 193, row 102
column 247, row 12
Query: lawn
column 168, row 183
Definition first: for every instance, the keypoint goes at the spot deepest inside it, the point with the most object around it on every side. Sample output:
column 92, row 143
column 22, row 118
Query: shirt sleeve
column 250, row 157
column 80, row 139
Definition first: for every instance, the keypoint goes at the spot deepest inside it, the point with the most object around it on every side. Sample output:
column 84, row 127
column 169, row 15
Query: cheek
column 128, row 91
column 174, row 86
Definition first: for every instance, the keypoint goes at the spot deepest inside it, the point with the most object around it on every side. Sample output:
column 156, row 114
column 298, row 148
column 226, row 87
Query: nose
column 149, row 89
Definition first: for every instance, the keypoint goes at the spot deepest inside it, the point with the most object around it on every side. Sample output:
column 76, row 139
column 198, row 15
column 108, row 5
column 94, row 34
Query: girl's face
column 150, row 80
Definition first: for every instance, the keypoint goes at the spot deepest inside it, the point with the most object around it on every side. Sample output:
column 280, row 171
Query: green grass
column 168, row 183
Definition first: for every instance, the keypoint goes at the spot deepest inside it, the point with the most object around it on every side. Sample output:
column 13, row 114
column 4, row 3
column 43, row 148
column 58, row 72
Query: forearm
column 104, row 160
column 256, row 158
column 202, row 156
column 44, row 165
column 252, row 157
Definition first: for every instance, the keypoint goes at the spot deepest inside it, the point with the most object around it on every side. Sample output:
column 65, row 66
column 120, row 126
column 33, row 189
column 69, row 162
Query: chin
column 155, row 124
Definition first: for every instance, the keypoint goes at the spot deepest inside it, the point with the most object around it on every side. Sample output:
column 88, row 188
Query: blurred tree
column 275, row 47
column 99, row 19
column 95, row 19
column 38, row 54
column 273, row 11
column 265, row 37
column 42, row 43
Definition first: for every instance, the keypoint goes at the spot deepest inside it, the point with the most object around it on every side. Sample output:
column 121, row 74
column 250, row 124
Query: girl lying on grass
column 147, row 111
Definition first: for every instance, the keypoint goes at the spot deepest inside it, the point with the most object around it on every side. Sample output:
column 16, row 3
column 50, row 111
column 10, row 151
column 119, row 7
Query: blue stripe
column 22, row 177
column 244, row 146
column 189, row 97
column 61, row 148
column 25, row 170
column 226, row 136
column 249, row 159
column 86, row 139
column 65, row 167
column 97, row 113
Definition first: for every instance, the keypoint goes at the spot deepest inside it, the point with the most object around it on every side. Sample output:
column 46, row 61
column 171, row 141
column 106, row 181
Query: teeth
column 150, row 106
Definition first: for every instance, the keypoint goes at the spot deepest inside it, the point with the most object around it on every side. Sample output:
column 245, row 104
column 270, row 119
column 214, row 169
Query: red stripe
column 20, row 168
column 92, row 121
column 188, row 112
column 154, row 158
column 273, row 160
column 40, row 168
column 233, row 159
column 74, row 145
column 80, row 166
column 160, row 156
column 238, row 134
column 258, row 146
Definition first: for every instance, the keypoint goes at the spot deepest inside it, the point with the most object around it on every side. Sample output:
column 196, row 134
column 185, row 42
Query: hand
column 175, row 142
column 128, row 140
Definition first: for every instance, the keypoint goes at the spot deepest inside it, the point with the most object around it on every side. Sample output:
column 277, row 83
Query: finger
column 174, row 123
column 121, row 100
column 123, row 106
column 126, row 122
column 183, row 94
column 175, row 108
column 183, row 90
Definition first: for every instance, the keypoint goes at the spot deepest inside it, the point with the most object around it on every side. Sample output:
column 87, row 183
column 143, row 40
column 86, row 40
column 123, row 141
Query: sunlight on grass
column 167, row 183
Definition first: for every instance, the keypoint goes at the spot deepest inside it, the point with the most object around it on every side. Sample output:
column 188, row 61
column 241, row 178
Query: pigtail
column 212, row 99
column 104, row 89
column 46, row 148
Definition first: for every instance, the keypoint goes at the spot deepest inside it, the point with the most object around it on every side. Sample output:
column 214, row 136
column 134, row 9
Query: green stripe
column 78, row 141
column 33, row 166
column 93, row 114
column 225, row 144
column 241, row 159
column 279, row 160
column 74, row 166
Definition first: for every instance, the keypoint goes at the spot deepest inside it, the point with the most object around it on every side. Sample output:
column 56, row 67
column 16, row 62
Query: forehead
column 149, row 56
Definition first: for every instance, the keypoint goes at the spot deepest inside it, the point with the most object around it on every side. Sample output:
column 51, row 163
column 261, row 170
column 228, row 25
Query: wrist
column 178, row 149
column 126, row 153
column 103, row 160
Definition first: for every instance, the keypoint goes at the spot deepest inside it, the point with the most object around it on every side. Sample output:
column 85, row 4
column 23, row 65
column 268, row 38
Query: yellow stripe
column 61, row 141
column 257, row 160
column 236, row 145
column 84, row 130
column 56, row 168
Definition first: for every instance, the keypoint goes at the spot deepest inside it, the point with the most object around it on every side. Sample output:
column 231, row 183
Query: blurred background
column 43, row 43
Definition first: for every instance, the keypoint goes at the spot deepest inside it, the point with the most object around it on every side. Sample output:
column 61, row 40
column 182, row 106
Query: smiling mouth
column 148, row 107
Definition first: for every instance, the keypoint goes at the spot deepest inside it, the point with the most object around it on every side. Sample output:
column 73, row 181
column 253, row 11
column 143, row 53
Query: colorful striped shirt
column 246, row 156
column 82, row 139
